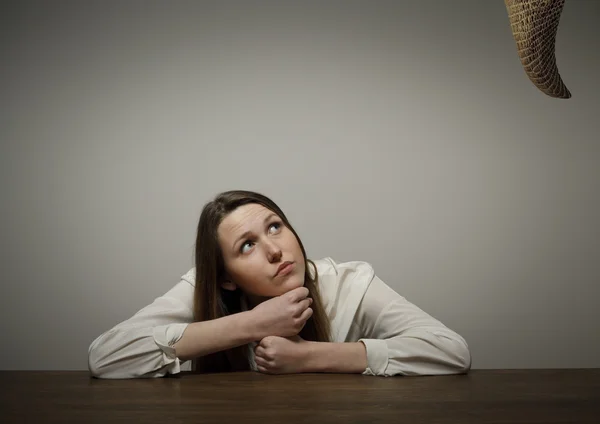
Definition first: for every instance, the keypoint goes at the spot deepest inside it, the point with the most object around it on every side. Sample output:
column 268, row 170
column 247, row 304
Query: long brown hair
column 211, row 301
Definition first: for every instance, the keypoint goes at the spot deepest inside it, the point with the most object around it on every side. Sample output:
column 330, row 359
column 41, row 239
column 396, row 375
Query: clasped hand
column 281, row 355
column 282, row 350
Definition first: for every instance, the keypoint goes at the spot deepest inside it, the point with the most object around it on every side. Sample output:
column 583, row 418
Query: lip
column 284, row 268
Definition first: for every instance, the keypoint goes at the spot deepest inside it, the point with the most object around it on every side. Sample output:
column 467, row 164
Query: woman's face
column 255, row 242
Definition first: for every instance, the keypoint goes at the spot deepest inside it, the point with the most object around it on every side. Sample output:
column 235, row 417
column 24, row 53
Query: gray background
column 401, row 133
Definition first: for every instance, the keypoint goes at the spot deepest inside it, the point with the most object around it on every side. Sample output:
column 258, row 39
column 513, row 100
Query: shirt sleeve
column 401, row 339
column 141, row 346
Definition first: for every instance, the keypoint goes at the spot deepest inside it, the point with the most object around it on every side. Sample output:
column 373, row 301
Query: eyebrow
column 247, row 233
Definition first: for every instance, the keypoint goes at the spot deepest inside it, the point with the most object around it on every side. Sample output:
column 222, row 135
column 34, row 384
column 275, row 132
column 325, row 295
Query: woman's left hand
column 281, row 355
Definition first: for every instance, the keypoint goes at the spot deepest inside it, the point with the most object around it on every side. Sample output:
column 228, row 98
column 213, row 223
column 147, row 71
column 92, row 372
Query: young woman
column 255, row 302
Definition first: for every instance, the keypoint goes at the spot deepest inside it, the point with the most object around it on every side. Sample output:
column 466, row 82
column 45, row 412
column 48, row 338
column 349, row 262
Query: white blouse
column 400, row 338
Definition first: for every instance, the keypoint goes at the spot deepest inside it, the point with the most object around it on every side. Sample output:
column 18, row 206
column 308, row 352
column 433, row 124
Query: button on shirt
column 400, row 338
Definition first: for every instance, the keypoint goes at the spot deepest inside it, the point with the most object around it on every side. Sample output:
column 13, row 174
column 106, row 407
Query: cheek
column 243, row 273
column 292, row 241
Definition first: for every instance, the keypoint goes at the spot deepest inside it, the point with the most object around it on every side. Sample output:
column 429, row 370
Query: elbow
column 101, row 361
column 117, row 355
column 94, row 360
column 456, row 353
column 464, row 364
column 94, row 370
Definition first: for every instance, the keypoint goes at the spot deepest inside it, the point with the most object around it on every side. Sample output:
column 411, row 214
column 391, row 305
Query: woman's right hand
column 283, row 315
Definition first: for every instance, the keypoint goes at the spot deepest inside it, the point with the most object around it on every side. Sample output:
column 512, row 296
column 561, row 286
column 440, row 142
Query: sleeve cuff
column 377, row 356
column 165, row 336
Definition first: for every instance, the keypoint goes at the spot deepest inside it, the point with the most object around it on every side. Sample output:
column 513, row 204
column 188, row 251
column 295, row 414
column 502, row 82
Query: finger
column 260, row 362
column 266, row 341
column 263, row 370
column 304, row 304
column 306, row 314
column 297, row 294
column 261, row 352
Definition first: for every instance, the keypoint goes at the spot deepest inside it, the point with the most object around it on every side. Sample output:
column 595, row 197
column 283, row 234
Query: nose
column 273, row 251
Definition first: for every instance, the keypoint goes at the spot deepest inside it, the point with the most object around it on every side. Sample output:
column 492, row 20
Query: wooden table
column 482, row 396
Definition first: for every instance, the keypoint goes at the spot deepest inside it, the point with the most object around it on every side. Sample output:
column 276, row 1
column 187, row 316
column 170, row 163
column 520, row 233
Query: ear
column 228, row 285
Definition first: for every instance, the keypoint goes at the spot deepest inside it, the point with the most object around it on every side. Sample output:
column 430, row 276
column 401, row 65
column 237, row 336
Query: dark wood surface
column 482, row 396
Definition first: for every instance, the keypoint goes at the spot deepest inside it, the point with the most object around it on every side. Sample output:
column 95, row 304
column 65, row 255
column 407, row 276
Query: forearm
column 206, row 337
column 421, row 352
column 336, row 357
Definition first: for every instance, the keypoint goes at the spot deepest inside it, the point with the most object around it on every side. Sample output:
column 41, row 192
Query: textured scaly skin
column 534, row 25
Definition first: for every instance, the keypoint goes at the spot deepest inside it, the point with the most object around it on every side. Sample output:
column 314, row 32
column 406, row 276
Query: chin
column 298, row 282
column 291, row 284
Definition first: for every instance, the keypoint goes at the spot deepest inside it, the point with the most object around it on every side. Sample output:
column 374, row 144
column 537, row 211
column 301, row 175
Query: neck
column 252, row 301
